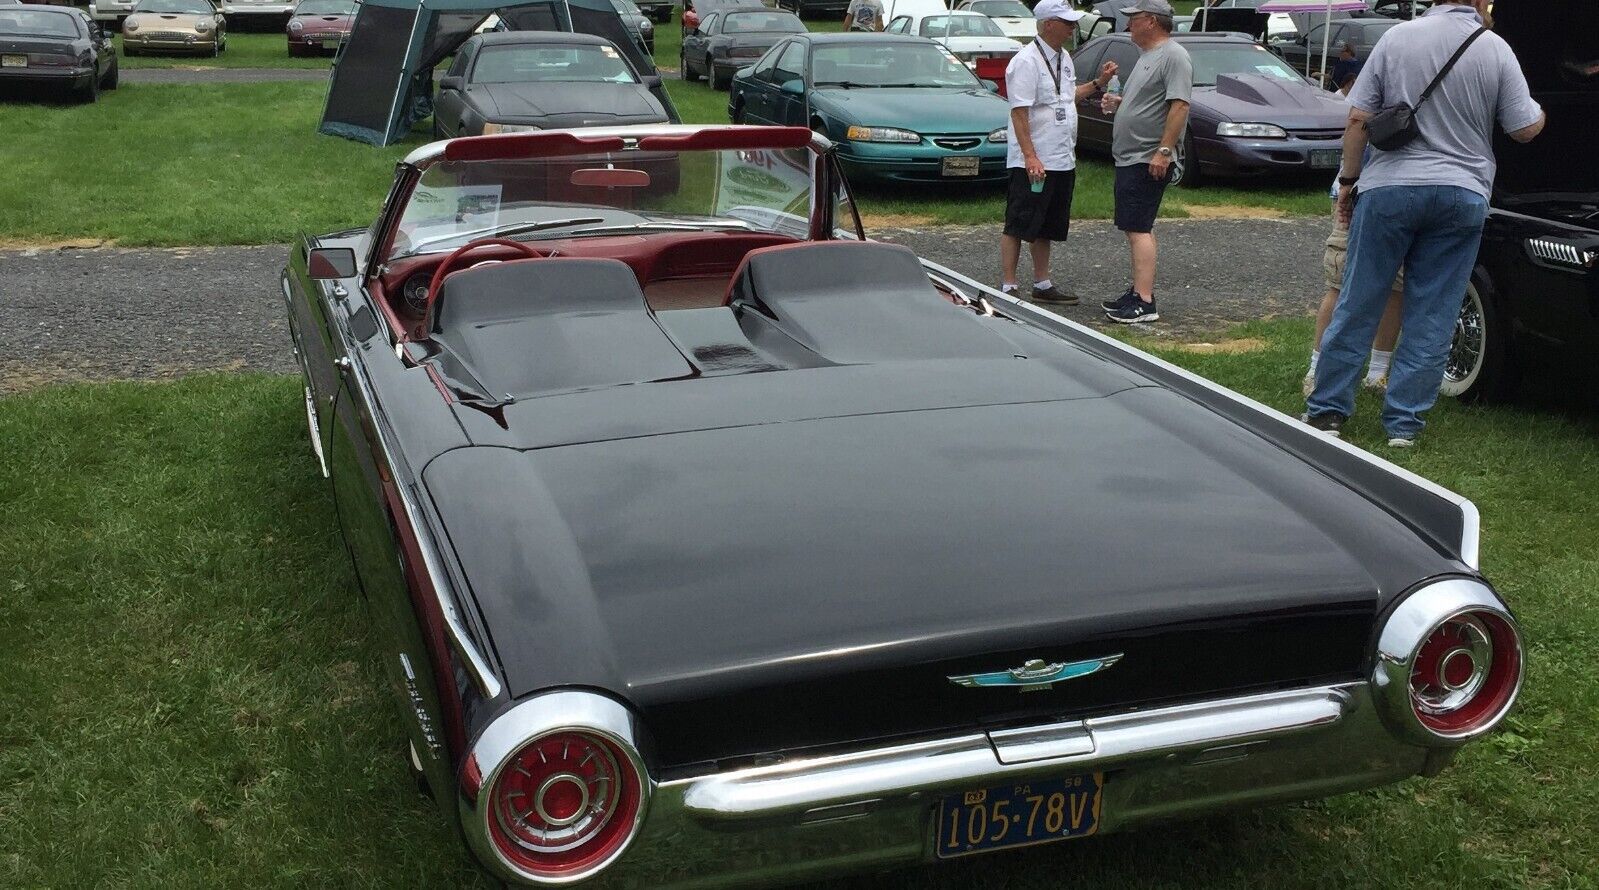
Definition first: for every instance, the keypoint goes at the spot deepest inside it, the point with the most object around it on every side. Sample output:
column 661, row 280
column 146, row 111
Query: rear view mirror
column 651, row 81
column 794, row 87
column 611, row 177
column 456, row 83
column 328, row 263
column 990, row 85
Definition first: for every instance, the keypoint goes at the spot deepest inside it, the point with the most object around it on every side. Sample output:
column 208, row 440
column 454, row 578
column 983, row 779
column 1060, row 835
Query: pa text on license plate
column 1325, row 158
column 9, row 61
column 1018, row 814
column 967, row 166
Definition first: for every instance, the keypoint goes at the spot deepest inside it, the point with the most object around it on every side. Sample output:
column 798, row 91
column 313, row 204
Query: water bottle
column 1114, row 86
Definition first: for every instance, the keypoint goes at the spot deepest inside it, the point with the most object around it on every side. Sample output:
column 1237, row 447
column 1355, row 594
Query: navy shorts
column 1138, row 197
column 1031, row 215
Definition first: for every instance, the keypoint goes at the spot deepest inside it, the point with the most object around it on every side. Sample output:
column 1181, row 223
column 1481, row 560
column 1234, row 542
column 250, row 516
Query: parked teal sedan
column 899, row 108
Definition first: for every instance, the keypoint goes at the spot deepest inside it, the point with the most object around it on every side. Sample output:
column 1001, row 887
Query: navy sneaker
column 1134, row 311
column 1053, row 294
column 1108, row 305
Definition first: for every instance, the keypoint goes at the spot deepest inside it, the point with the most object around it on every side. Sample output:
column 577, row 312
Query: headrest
column 544, row 286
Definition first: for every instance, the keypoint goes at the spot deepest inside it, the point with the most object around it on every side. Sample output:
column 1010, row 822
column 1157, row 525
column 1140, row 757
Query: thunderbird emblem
column 1035, row 674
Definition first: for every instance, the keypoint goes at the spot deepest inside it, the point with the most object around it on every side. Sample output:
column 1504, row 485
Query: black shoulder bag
column 1395, row 126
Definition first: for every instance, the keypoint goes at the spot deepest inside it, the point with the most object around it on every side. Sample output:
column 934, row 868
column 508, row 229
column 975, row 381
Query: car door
column 1094, row 127
column 758, row 88
column 695, row 42
column 900, row 25
column 448, row 106
column 788, row 109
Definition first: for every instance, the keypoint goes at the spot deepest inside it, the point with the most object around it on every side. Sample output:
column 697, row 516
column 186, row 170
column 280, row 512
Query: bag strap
column 1450, row 64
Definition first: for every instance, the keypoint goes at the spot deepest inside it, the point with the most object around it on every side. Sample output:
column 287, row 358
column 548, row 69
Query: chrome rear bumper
column 873, row 809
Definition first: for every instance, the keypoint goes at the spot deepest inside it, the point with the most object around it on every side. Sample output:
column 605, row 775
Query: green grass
column 244, row 51
column 189, row 696
column 185, row 164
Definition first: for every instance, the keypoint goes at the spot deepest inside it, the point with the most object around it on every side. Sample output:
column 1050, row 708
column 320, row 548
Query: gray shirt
column 864, row 14
column 1456, row 143
column 1162, row 74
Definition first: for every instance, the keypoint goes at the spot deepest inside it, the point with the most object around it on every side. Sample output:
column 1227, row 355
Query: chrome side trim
column 1079, row 746
column 537, row 716
column 1470, row 519
column 476, row 665
column 1408, row 627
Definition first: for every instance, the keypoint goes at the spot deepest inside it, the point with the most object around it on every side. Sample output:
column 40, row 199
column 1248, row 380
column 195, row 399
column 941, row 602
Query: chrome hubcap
column 1465, row 351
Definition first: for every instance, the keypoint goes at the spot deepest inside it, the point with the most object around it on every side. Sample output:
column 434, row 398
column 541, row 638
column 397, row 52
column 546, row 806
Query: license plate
column 959, row 166
column 1018, row 814
column 13, row 61
column 1325, row 158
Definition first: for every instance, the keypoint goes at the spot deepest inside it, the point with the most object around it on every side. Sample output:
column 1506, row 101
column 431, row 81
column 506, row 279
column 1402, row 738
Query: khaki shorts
column 1332, row 261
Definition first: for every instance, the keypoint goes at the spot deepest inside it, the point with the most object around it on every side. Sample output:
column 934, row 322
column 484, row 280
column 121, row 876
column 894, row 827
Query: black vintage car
column 55, row 47
column 1534, row 296
column 726, row 40
column 513, row 81
column 708, row 542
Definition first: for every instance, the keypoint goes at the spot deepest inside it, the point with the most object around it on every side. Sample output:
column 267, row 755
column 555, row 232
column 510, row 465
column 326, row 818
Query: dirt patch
column 896, row 220
column 70, row 244
column 1226, row 347
column 1231, row 211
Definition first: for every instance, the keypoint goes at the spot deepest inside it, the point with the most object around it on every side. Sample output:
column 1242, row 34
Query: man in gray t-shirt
column 1421, row 207
column 1150, row 115
column 864, row 15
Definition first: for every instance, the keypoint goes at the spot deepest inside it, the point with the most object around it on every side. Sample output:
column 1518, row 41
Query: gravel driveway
column 68, row 314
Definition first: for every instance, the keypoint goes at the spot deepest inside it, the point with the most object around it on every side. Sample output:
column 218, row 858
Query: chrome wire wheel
column 1468, row 348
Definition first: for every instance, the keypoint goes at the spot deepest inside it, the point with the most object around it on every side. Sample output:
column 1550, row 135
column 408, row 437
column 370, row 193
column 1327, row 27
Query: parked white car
column 967, row 35
column 1013, row 17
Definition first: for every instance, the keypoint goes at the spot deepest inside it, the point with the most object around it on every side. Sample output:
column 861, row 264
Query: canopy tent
column 1321, row 7
column 383, row 78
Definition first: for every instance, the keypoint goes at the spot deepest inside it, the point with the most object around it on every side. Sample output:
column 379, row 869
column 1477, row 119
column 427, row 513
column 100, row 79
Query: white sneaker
column 1380, row 384
column 1401, row 442
column 1309, row 385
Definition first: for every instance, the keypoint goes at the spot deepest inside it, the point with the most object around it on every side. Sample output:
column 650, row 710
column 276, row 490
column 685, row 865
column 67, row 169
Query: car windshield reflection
column 1211, row 62
column 870, row 64
column 766, row 190
column 175, row 7
column 551, row 64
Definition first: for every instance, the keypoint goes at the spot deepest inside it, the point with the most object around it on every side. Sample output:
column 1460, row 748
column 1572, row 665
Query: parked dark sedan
column 319, row 26
column 1251, row 114
column 1304, row 51
column 707, row 543
column 725, row 41
column 58, row 48
column 1532, row 309
column 510, row 81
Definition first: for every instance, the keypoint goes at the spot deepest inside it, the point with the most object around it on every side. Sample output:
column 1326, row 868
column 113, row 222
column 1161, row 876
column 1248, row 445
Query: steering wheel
column 454, row 259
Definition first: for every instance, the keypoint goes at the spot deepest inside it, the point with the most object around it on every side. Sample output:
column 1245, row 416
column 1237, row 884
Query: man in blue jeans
column 1421, row 207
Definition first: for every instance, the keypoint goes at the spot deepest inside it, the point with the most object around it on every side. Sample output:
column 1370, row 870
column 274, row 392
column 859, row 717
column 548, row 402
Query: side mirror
column 457, row 83
column 990, row 85
column 327, row 263
column 651, row 81
column 795, row 87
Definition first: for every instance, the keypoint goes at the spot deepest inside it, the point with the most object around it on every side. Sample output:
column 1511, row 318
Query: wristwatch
column 1348, row 180
column 1164, row 151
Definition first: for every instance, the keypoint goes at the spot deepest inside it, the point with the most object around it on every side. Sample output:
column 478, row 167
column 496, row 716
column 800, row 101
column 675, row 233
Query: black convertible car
column 709, row 543
column 513, row 81
column 1534, row 297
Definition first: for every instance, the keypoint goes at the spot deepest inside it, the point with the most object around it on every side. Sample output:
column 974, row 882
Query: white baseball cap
column 1056, row 9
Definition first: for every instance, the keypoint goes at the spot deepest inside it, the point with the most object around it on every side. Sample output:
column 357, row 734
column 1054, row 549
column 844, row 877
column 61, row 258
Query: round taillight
column 1449, row 663
column 1465, row 674
column 564, row 803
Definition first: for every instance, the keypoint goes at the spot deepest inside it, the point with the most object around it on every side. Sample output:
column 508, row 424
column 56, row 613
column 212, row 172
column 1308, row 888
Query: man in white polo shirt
column 1042, row 156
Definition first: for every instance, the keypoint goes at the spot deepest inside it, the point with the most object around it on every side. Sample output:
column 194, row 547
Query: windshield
column 1001, row 7
column 184, row 7
column 546, row 63
column 751, row 22
column 37, row 22
column 626, row 6
column 864, row 63
column 766, row 190
column 325, row 7
column 1210, row 61
column 959, row 26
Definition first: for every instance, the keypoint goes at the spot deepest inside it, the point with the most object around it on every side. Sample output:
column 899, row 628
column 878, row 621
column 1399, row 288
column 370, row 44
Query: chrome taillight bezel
column 564, row 711
column 1408, row 628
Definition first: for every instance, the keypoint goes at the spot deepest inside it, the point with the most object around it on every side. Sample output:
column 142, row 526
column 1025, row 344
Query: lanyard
column 1060, row 59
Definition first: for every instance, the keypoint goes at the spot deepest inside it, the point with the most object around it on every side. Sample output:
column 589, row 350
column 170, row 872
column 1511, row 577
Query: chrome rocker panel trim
column 873, row 809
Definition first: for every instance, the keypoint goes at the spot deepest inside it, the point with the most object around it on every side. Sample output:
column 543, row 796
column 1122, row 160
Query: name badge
column 1060, row 114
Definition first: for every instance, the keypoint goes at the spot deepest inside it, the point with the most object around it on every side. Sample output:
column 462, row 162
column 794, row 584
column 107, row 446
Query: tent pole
column 1326, row 40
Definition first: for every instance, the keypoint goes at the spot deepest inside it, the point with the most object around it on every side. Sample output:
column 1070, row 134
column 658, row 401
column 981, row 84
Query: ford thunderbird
column 707, row 541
